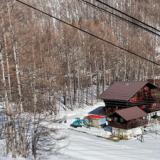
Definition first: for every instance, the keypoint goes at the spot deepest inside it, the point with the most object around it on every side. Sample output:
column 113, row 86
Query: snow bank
column 127, row 134
column 100, row 132
column 80, row 112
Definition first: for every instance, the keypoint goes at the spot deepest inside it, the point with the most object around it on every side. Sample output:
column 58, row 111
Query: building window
column 115, row 119
column 121, row 120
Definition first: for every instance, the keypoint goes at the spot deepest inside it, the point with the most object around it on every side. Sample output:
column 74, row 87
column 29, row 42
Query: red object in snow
column 93, row 116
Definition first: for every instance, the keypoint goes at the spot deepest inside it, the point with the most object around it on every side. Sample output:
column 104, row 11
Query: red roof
column 124, row 90
column 131, row 113
column 93, row 116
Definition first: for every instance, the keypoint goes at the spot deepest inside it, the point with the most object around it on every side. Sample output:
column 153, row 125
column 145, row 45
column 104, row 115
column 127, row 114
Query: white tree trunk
column 16, row 61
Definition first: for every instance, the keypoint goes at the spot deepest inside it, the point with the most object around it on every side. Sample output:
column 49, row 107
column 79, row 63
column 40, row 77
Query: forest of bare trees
column 44, row 62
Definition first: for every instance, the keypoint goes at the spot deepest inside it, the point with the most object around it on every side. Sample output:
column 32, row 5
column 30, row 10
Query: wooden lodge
column 128, row 118
column 128, row 103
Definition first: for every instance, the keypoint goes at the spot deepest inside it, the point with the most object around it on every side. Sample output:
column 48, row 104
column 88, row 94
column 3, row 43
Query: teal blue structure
column 79, row 123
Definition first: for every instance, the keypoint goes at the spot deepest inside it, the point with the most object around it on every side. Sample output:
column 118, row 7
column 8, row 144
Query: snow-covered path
column 88, row 147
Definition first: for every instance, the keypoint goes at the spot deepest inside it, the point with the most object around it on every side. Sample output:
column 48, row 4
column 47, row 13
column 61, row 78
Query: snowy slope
column 82, row 146
column 87, row 147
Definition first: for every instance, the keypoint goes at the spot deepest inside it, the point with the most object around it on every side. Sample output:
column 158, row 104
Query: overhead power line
column 84, row 31
column 143, row 26
column 127, row 15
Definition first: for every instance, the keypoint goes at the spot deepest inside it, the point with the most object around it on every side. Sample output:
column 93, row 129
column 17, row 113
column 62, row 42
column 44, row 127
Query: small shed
column 96, row 120
column 127, row 123
column 128, row 118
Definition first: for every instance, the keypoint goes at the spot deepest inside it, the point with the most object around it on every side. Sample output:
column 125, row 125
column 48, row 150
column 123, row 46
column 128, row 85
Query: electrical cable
column 122, row 18
column 84, row 31
column 127, row 15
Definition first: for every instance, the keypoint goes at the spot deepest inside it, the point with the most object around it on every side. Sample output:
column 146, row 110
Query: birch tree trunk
column 7, row 60
column 15, row 49
column 5, row 98
column 19, row 141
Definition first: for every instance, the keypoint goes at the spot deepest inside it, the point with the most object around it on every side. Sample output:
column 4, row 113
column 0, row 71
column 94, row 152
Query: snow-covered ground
column 87, row 147
column 80, row 112
column 83, row 146
column 77, row 145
